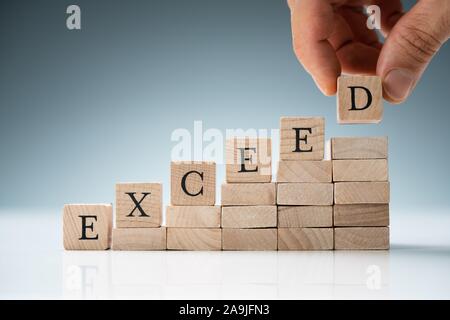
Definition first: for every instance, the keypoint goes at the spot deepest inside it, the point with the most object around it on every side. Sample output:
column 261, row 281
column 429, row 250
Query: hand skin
column 330, row 37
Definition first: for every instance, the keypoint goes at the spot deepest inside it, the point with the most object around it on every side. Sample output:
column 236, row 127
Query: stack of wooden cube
column 305, row 188
column 249, row 212
column 193, row 219
column 361, row 192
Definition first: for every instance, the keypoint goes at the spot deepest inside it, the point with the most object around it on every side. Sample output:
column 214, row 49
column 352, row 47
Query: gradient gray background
column 82, row 110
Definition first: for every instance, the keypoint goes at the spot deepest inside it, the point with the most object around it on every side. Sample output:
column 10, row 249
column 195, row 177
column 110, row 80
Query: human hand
column 331, row 36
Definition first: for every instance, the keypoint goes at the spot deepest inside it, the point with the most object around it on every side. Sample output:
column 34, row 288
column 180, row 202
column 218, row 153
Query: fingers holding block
column 136, row 239
column 359, row 99
column 250, row 239
column 361, row 238
column 87, row 226
column 193, row 183
column 138, row 205
column 305, row 239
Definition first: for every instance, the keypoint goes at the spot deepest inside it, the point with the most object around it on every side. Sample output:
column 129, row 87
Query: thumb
column 411, row 45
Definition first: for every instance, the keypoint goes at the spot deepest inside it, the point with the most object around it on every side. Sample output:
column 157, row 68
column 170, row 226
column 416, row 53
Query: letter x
column 137, row 203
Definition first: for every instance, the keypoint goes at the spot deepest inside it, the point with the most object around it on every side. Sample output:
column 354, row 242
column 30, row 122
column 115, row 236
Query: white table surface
column 33, row 265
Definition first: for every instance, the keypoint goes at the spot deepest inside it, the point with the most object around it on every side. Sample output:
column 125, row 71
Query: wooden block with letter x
column 361, row 192
column 359, row 148
column 361, row 238
column 138, row 205
column 305, row 194
column 360, row 170
column 302, row 138
column 193, row 183
column 305, row 239
column 304, row 171
column 249, row 239
column 305, row 216
column 363, row 215
column 87, row 226
column 359, row 99
column 248, row 160
column 136, row 239
column 193, row 217
column 248, row 194
column 249, row 217
column 202, row 239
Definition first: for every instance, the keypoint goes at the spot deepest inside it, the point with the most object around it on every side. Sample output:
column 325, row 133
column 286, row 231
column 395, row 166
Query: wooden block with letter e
column 305, row 194
column 193, row 217
column 304, row 171
column 305, row 216
column 248, row 160
column 305, row 239
column 360, row 170
column 359, row 99
column 361, row 238
column 361, row 192
column 193, row 239
column 249, row 217
column 136, row 239
column 87, row 226
column 138, row 205
column 359, row 148
column 363, row 215
column 248, row 194
column 302, row 138
column 249, row 239
column 193, row 183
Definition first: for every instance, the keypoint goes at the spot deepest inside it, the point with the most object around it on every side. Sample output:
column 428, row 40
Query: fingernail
column 398, row 84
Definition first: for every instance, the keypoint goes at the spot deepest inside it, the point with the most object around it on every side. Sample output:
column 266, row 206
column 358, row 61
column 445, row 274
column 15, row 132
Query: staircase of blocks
column 330, row 195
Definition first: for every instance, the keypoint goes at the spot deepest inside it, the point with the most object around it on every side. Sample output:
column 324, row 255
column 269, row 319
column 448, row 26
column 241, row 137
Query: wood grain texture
column 97, row 226
column 128, row 215
column 361, row 215
column 200, row 183
column 248, row 160
column 314, row 140
column 360, row 170
column 361, row 192
column 193, row 216
column 374, row 111
column 305, row 239
column 248, row 194
column 361, row 238
column 138, row 239
column 343, row 148
column 249, row 239
column 305, row 194
column 249, row 217
column 304, row 171
column 195, row 239
column 305, row 216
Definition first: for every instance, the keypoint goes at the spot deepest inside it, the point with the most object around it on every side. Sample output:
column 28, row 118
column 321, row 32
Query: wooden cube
column 343, row 148
column 248, row 160
column 305, row 216
column 359, row 99
column 361, row 238
column 138, row 205
column 305, row 194
column 249, row 239
column 361, row 215
column 87, row 226
column 360, row 170
column 248, row 194
column 249, row 217
column 194, row 239
column 137, row 239
column 304, row 171
column 302, row 138
column 305, row 239
column 193, row 216
column 361, row 192
column 193, row 183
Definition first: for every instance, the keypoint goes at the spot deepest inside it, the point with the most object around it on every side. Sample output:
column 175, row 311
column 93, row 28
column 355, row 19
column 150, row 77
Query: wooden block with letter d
column 138, row 205
column 359, row 99
column 249, row 239
column 361, row 238
column 248, row 160
column 193, row 183
column 87, row 226
column 305, row 239
column 360, row 170
column 359, row 148
column 249, row 217
column 302, row 138
column 136, row 239
column 194, row 239
column 361, row 192
column 248, row 194
column 305, row 194
column 193, row 216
